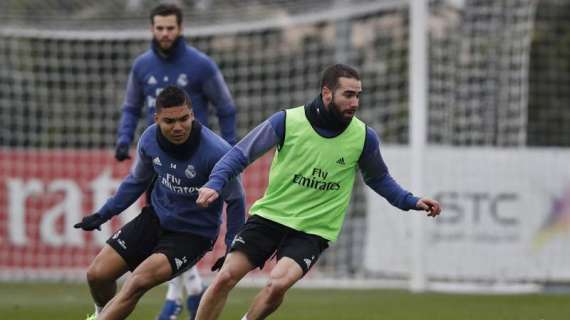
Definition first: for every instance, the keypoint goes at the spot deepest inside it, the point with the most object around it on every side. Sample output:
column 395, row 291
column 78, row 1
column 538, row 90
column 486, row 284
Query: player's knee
column 225, row 280
column 139, row 284
column 277, row 287
column 96, row 274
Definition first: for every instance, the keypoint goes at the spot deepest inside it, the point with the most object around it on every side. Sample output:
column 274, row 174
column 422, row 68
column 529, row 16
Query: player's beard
column 166, row 43
column 164, row 51
column 334, row 110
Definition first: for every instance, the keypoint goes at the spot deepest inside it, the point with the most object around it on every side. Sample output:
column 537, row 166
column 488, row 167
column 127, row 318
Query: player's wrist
column 214, row 185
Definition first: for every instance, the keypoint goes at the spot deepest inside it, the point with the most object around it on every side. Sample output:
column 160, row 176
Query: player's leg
column 173, row 304
column 124, row 250
column 102, row 274
column 255, row 243
column 153, row 271
column 236, row 266
column 296, row 255
column 174, row 253
column 195, row 289
column 283, row 276
column 127, row 247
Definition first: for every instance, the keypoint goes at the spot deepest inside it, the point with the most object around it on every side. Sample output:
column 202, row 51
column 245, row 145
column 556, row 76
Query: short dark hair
column 166, row 9
column 172, row 96
column 331, row 74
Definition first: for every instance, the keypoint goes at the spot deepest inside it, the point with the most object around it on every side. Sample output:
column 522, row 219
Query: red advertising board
column 44, row 192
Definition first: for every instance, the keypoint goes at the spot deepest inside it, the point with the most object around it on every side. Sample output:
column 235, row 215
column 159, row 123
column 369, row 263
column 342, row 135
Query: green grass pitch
column 71, row 301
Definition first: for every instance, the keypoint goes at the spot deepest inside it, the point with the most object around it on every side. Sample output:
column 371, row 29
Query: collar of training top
column 320, row 117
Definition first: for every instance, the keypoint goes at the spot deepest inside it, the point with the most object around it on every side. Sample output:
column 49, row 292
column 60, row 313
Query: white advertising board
column 506, row 215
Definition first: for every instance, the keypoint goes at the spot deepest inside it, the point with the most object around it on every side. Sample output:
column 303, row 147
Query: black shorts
column 143, row 236
column 260, row 238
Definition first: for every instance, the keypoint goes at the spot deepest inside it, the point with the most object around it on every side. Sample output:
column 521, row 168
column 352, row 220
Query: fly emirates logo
column 174, row 183
column 317, row 180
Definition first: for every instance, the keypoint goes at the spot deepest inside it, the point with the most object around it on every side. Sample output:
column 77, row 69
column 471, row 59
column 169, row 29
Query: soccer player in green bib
column 319, row 147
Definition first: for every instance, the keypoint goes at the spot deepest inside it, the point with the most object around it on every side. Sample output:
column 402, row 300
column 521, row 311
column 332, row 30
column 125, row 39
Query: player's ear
column 327, row 95
column 156, row 118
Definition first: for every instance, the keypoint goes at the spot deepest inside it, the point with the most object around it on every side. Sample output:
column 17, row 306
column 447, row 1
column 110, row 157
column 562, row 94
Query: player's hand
column 206, row 196
column 90, row 222
column 218, row 264
column 122, row 152
column 429, row 205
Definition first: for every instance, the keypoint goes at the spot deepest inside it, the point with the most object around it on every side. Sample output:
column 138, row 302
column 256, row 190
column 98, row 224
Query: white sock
column 97, row 310
column 244, row 317
column 192, row 282
column 175, row 287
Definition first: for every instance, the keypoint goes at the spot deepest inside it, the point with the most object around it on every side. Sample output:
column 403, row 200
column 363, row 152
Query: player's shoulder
column 213, row 142
column 148, row 135
column 371, row 134
column 369, row 129
column 200, row 60
column 198, row 55
column 143, row 58
column 144, row 62
column 277, row 120
column 195, row 51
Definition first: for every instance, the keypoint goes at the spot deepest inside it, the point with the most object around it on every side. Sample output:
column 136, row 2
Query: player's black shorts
column 260, row 238
column 143, row 236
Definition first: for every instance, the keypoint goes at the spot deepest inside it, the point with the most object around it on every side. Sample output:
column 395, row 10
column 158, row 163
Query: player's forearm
column 129, row 191
column 219, row 95
column 131, row 188
column 228, row 167
column 255, row 144
column 131, row 111
column 377, row 177
column 127, row 126
column 388, row 188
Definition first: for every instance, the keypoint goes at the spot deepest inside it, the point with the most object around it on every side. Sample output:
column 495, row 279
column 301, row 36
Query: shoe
column 91, row 317
column 170, row 310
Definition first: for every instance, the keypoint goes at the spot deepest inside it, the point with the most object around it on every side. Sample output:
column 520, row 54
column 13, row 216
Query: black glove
column 122, row 152
column 91, row 222
column 219, row 263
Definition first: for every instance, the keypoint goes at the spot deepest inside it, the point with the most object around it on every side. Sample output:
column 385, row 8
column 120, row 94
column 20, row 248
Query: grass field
column 71, row 301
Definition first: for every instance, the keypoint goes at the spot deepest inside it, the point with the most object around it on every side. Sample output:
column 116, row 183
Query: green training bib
column 312, row 177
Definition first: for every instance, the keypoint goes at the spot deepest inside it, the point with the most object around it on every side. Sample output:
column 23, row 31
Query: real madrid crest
column 190, row 172
column 182, row 80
